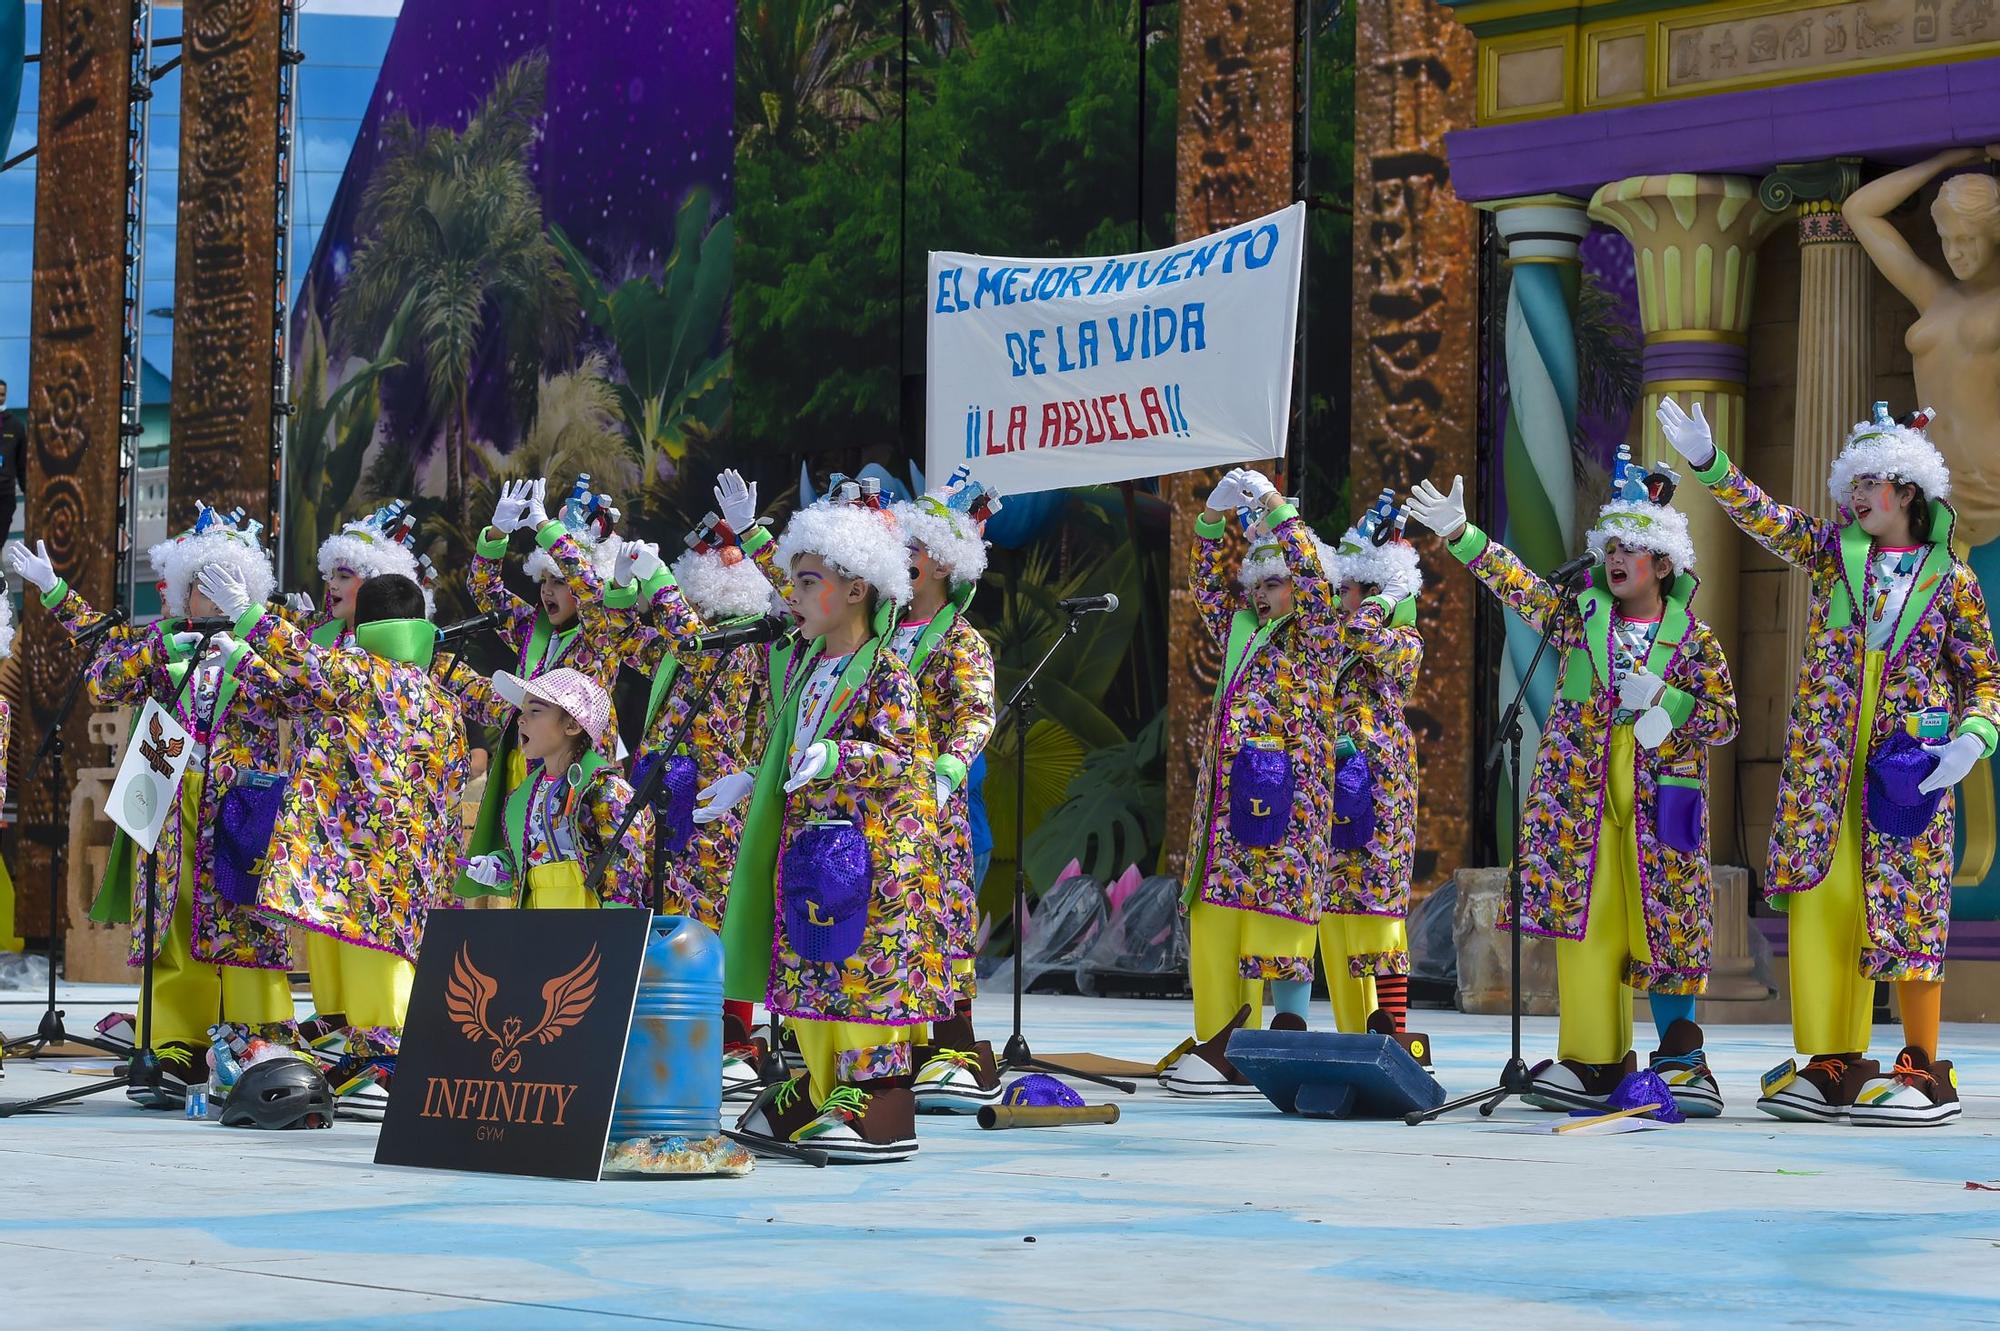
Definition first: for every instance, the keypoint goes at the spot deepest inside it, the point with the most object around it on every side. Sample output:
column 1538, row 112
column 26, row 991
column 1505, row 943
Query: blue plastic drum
column 672, row 1080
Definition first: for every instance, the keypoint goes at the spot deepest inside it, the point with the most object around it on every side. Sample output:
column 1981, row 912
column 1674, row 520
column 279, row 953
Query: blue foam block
column 1325, row 1075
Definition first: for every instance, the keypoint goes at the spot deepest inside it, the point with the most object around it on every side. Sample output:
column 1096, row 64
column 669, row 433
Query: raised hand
column 32, row 566
column 1442, row 513
column 1689, row 435
column 737, row 499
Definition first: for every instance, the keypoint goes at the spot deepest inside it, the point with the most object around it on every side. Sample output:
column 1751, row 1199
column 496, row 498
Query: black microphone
column 465, row 627
column 764, row 628
column 1566, row 575
column 111, row 620
column 208, row 628
column 1084, row 605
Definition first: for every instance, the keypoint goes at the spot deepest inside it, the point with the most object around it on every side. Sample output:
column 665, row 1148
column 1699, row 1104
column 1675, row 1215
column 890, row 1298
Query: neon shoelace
column 1909, row 1073
column 784, row 1096
column 849, row 1102
column 1693, row 1061
column 958, row 1057
column 1833, row 1068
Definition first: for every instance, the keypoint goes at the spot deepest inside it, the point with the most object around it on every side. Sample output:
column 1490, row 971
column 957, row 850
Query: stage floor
column 1180, row 1215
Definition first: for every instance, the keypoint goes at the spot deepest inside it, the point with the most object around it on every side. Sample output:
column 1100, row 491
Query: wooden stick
column 1633, row 1112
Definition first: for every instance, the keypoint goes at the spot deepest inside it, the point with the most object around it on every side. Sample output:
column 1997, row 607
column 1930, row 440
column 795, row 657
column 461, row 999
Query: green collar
column 409, row 641
column 515, row 821
column 1590, row 669
column 1855, row 547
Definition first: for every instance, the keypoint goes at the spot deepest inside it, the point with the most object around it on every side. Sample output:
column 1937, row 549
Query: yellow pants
column 1219, row 937
column 558, row 886
column 1344, row 936
column 372, row 986
column 1833, row 1003
column 1594, row 1007
column 189, row 996
column 823, row 1042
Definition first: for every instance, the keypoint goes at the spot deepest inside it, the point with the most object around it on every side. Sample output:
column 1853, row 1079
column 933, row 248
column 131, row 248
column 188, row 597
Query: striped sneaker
column 1916, row 1093
column 1683, row 1066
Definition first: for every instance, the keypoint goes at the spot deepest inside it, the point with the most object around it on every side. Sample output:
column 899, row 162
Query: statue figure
column 1955, row 342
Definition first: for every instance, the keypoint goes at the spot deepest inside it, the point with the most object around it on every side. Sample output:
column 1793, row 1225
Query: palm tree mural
column 452, row 220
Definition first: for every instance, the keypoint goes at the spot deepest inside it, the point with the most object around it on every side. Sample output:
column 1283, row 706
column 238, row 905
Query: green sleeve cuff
column 952, row 770
column 1469, row 544
column 252, row 615
column 1210, row 531
column 1717, row 468
column 1989, row 735
column 492, row 544
column 1679, row 704
column 658, row 583
column 1388, row 606
column 755, row 539
column 53, row 597
column 1282, row 513
column 623, row 596
column 549, row 533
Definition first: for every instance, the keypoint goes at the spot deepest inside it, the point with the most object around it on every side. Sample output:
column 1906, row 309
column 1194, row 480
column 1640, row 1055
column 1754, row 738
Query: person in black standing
column 13, row 461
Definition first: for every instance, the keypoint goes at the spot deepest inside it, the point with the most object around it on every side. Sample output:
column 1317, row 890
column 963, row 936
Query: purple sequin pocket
column 1260, row 795
column 245, row 819
column 1896, row 768
column 674, row 800
column 1678, row 820
column 1353, row 804
column 826, row 878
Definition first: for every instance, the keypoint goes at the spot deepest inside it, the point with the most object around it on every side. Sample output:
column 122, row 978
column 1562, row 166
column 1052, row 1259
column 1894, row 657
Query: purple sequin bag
column 1353, row 804
column 1038, row 1090
column 1679, row 818
column 826, row 876
column 1896, row 768
column 1260, row 794
column 245, row 818
column 674, row 800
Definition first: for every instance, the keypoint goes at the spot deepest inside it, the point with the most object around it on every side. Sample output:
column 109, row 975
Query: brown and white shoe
column 779, row 1112
column 1823, row 1091
column 742, row 1055
column 1683, row 1066
column 1415, row 1044
column 857, row 1126
column 1206, row 1070
column 1588, row 1081
column 1916, row 1093
column 958, row 1081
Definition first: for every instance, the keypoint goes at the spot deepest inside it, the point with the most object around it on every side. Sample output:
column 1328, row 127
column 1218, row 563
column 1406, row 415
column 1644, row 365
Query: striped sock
column 1392, row 995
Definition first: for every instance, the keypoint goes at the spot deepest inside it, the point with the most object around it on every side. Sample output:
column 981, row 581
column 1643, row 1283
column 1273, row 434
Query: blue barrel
column 672, row 1079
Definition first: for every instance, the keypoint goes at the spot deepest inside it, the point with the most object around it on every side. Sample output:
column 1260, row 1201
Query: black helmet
column 279, row 1093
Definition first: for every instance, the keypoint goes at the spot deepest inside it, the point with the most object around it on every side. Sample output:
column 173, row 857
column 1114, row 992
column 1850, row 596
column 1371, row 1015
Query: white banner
column 150, row 777
column 1048, row 373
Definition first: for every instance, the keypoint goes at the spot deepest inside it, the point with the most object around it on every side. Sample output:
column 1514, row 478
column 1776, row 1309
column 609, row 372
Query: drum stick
column 997, row 1117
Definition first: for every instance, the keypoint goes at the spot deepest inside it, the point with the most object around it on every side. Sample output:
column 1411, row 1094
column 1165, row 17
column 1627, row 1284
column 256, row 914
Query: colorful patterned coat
column 955, row 688
column 1381, row 651
column 602, row 637
column 712, row 694
column 1941, row 657
column 131, row 666
column 591, row 820
column 1279, row 693
column 1562, row 818
column 367, row 839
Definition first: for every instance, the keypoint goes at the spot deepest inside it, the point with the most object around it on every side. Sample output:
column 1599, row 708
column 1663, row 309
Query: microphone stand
column 1019, row 710
column 50, row 1032
column 1514, row 1079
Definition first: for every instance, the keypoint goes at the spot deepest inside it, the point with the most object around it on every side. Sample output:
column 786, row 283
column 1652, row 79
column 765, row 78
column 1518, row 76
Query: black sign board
column 512, row 1048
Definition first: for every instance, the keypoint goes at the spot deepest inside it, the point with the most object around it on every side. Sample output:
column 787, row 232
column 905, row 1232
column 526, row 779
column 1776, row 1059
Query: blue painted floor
column 1181, row 1215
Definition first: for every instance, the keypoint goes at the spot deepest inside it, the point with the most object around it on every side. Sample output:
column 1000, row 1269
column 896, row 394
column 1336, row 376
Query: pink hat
column 573, row 691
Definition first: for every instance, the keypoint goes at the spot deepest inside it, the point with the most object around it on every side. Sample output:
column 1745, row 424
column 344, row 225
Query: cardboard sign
column 150, row 777
column 514, row 1040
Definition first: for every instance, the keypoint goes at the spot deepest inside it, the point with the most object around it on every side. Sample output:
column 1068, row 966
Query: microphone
column 208, row 628
column 111, row 620
column 1084, row 605
column 1566, row 575
column 764, row 628
column 467, row 627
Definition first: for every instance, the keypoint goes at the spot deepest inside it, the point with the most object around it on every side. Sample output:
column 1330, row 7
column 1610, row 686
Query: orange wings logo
column 470, row 991
column 159, row 752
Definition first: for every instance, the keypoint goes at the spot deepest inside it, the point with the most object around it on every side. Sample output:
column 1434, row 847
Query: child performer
column 1614, row 833
column 568, row 624
column 568, row 810
column 1898, row 698
column 1264, row 798
column 214, row 955
column 836, row 911
column 953, row 666
column 367, row 836
column 1364, row 941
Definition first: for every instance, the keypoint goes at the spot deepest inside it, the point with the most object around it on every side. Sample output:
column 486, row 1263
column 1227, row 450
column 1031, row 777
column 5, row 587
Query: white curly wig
column 6, row 625
column 722, row 590
column 1889, row 452
column 1360, row 560
column 602, row 554
column 860, row 542
column 366, row 552
column 180, row 560
column 949, row 537
column 1643, row 526
column 1266, row 559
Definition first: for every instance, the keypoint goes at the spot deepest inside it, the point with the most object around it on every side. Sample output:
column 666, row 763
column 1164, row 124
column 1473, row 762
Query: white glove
column 33, row 566
column 1689, row 435
column 224, row 586
column 1229, row 493
column 1401, row 587
column 536, row 514
column 1955, row 760
column 1652, row 728
column 815, row 760
column 724, row 795
column 300, row 603
column 1442, row 513
column 737, row 499
column 1639, row 690
column 1256, row 485
column 621, row 566
column 647, row 562
column 488, row 870
column 222, row 646
column 943, row 789
column 512, row 510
